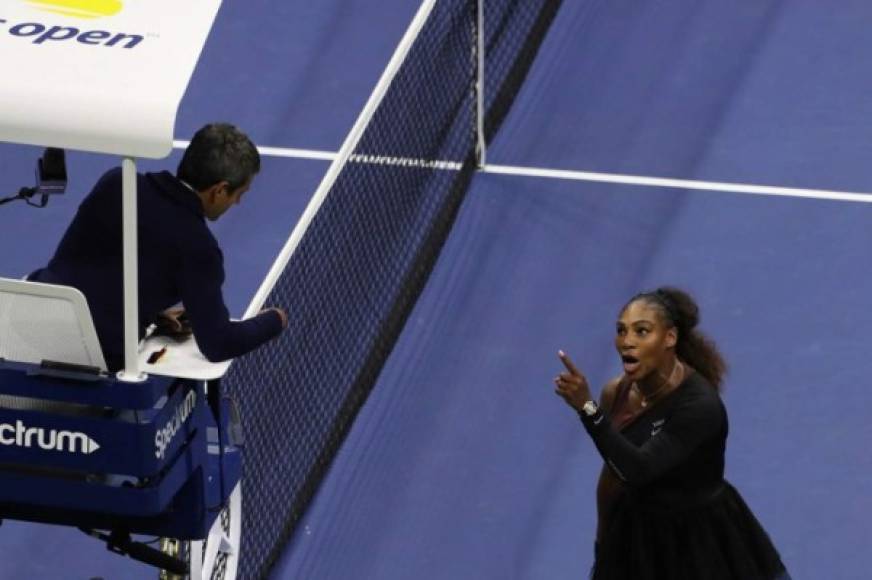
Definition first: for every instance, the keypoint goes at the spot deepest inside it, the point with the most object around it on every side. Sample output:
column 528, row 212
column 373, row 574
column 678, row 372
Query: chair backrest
column 47, row 322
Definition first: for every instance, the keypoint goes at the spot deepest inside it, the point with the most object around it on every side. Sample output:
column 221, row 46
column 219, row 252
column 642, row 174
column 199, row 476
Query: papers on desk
column 180, row 359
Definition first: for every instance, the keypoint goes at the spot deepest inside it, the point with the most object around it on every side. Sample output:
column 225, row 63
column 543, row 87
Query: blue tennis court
column 462, row 463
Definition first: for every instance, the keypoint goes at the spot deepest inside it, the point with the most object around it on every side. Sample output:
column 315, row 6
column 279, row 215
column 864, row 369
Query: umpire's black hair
column 219, row 152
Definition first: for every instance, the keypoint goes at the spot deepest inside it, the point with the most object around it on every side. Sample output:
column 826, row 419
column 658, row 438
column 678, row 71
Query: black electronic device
column 51, row 179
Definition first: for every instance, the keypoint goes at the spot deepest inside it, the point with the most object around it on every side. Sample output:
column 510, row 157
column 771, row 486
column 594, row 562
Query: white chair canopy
column 98, row 75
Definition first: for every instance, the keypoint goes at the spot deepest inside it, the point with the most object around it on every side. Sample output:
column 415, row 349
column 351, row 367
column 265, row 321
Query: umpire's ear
column 221, row 187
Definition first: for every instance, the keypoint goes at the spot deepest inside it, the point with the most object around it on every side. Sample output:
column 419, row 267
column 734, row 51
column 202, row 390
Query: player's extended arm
column 692, row 423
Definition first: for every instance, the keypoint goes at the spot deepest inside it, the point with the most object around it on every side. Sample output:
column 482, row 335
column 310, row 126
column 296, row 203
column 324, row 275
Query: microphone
column 51, row 179
column 51, row 172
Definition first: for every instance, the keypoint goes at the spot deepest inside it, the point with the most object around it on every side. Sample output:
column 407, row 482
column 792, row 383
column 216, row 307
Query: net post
column 131, row 371
column 481, row 143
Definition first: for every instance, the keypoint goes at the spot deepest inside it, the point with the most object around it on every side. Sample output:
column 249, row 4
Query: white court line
column 280, row 152
column 356, row 157
column 589, row 176
column 679, row 183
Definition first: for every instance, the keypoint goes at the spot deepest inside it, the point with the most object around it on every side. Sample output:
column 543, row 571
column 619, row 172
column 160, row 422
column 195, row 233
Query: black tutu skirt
column 712, row 537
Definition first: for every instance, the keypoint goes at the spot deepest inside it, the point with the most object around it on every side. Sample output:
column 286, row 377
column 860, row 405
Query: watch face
column 589, row 407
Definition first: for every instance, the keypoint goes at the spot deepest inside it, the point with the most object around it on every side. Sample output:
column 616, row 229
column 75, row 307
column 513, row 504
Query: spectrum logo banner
column 79, row 8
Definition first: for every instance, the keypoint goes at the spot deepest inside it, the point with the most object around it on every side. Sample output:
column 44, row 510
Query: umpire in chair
column 179, row 258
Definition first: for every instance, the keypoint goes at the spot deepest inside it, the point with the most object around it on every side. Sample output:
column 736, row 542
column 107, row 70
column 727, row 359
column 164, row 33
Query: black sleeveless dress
column 677, row 518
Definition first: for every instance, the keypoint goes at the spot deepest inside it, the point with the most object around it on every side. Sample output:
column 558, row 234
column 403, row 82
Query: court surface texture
column 720, row 147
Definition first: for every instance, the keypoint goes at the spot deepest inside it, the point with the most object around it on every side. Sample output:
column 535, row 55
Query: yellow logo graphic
column 79, row 8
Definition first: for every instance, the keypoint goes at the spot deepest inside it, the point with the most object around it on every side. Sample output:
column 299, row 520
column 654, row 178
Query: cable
column 26, row 193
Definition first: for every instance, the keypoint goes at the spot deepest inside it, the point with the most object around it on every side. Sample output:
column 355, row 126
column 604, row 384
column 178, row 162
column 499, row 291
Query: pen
column 156, row 355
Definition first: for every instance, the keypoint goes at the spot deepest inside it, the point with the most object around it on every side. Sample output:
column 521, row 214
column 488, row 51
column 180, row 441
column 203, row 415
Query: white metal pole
column 351, row 141
column 131, row 275
column 479, row 93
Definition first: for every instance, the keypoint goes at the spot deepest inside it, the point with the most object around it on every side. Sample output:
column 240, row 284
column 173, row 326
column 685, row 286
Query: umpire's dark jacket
column 179, row 260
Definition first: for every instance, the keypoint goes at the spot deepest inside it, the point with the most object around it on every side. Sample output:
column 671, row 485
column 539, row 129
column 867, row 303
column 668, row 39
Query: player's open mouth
column 631, row 363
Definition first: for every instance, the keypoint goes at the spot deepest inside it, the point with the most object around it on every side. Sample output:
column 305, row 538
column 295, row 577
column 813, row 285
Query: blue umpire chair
column 115, row 459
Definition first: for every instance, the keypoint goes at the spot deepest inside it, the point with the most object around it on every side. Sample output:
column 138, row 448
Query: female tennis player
column 665, row 511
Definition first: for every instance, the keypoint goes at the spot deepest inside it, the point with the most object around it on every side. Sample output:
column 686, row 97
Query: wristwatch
column 590, row 408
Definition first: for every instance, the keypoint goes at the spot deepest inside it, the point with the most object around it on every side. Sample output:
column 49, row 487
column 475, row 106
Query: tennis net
column 354, row 267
